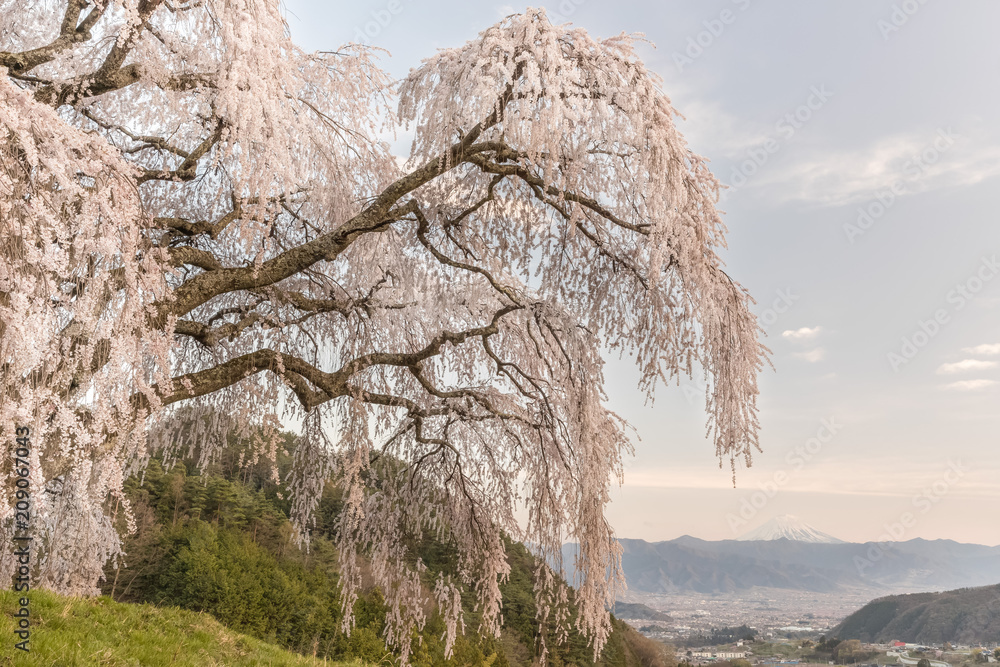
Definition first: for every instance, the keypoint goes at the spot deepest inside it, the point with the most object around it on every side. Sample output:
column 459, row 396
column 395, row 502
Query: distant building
column 719, row 655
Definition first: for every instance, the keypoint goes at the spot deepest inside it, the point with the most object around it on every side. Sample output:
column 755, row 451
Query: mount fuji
column 786, row 553
column 790, row 528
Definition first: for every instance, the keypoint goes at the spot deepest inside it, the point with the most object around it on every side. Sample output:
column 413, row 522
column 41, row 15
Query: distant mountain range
column 688, row 564
column 967, row 616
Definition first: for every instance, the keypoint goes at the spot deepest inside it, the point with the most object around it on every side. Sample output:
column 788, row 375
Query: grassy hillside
column 98, row 631
column 966, row 615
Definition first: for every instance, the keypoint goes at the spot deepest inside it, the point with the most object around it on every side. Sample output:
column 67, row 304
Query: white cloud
column 805, row 333
column 832, row 177
column 987, row 349
column 965, row 365
column 812, row 356
column 713, row 130
column 970, row 385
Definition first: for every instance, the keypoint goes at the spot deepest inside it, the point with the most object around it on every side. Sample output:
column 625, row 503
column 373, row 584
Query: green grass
column 98, row 631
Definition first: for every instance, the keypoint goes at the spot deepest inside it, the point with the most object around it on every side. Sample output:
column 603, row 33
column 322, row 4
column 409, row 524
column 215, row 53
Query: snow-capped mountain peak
column 791, row 528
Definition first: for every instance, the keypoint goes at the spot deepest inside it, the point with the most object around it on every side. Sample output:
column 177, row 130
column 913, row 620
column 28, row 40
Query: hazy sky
column 862, row 141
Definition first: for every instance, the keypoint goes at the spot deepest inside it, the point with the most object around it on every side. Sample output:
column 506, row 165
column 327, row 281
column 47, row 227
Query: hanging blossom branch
column 201, row 233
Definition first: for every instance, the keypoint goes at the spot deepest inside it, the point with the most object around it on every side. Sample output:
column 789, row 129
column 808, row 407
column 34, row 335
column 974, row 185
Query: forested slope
column 966, row 615
column 219, row 542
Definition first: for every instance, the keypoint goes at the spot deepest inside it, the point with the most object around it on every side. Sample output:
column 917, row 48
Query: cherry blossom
column 204, row 233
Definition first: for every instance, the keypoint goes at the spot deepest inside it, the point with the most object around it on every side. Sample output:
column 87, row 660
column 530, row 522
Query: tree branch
column 377, row 216
column 70, row 33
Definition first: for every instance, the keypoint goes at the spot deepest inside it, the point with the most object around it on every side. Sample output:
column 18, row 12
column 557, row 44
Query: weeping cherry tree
column 203, row 231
